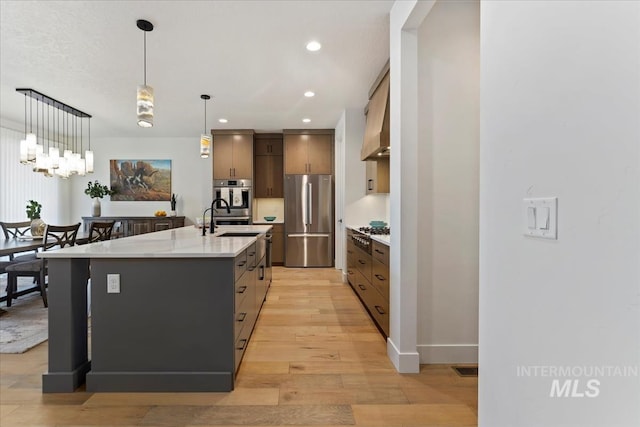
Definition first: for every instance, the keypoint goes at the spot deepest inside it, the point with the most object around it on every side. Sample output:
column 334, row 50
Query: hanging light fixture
column 42, row 148
column 205, row 138
column 145, row 93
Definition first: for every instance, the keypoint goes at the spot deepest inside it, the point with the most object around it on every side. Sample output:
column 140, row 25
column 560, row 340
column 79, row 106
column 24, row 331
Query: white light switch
column 113, row 283
column 540, row 217
column 531, row 217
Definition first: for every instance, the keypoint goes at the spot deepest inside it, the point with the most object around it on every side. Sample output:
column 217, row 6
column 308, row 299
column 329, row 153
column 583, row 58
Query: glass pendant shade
column 54, row 157
column 23, row 152
column 68, row 155
column 31, row 148
column 145, row 106
column 42, row 162
column 205, row 146
column 88, row 157
column 81, row 167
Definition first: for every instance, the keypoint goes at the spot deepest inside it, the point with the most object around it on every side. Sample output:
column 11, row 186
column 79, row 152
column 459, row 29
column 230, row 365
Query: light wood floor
column 314, row 358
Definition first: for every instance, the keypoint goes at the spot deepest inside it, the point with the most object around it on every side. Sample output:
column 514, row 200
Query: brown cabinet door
column 320, row 154
column 223, row 156
column 268, row 177
column 277, row 248
column 295, row 154
column 268, row 146
column 277, row 184
column 262, row 177
column 242, row 167
column 139, row 227
column 159, row 225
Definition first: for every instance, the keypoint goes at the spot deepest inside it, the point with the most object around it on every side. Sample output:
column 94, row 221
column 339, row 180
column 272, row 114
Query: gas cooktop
column 382, row 231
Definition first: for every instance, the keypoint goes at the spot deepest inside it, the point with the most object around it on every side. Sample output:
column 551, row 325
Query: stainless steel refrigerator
column 308, row 220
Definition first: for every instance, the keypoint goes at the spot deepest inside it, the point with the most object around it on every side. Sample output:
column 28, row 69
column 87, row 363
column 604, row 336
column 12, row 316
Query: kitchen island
column 170, row 311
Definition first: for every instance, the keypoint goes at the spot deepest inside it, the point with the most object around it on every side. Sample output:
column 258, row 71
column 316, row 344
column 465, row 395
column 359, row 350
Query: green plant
column 95, row 189
column 33, row 210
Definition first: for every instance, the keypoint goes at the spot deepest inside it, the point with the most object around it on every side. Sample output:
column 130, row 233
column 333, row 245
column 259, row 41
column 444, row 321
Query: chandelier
column 59, row 128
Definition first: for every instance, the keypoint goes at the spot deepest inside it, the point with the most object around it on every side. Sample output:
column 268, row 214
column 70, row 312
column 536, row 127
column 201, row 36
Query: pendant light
column 205, row 138
column 145, row 93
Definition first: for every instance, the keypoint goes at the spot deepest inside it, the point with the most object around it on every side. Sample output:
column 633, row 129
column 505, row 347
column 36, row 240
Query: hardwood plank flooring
column 314, row 359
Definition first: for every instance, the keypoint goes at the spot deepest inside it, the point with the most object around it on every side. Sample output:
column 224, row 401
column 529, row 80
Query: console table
column 133, row 225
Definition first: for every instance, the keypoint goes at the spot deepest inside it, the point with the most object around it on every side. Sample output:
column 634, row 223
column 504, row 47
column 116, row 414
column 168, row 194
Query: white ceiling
column 249, row 56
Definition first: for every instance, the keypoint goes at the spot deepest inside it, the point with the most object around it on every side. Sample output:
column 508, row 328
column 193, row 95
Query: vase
column 37, row 227
column 173, row 213
column 95, row 207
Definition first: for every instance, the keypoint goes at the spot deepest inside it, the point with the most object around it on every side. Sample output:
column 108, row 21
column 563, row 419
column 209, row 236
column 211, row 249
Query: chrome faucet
column 213, row 225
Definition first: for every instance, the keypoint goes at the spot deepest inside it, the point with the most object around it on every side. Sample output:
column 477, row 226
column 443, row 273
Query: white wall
column 560, row 116
column 448, row 155
column 190, row 176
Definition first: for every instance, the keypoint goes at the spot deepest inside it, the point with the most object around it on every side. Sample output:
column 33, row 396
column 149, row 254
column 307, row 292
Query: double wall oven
column 237, row 193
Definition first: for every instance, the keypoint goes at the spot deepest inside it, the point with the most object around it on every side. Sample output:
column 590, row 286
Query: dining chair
column 16, row 230
column 99, row 231
column 55, row 236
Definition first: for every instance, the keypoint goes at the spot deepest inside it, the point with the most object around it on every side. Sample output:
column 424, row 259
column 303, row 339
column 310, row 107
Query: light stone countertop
column 185, row 242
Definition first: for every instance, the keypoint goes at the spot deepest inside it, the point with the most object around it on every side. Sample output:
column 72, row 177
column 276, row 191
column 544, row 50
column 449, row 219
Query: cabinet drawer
column 363, row 263
column 240, row 346
column 380, row 251
column 379, row 309
column 251, row 256
column 380, row 278
column 240, row 265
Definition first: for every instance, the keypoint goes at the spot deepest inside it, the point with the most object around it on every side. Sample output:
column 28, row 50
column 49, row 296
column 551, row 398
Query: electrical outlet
column 113, row 283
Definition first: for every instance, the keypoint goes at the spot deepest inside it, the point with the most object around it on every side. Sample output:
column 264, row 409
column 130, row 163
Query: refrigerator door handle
column 310, row 203
column 309, row 235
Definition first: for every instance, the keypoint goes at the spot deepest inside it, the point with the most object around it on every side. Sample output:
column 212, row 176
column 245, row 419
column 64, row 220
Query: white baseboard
column 448, row 353
column 405, row 363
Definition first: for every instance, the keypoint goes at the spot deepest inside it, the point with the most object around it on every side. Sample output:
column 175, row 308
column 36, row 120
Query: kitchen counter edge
column 184, row 242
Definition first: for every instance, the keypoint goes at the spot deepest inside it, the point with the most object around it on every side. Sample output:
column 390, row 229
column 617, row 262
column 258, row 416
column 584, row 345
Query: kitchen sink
column 239, row 234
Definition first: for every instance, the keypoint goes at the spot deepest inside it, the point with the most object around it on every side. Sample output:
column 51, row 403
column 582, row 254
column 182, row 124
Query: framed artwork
column 141, row 180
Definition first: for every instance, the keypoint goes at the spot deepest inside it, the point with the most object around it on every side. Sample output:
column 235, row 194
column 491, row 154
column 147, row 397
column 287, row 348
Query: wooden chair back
column 60, row 236
column 13, row 230
column 99, row 231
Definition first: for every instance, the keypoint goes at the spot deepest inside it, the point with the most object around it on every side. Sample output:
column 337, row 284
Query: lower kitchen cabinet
column 368, row 275
column 277, row 244
column 133, row 225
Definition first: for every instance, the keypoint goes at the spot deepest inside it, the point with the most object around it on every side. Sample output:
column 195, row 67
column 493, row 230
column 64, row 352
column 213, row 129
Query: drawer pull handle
column 243, row 345
column 379, row 251
column 241, row 289
column 241, row 317
column 380, row 310
column 362, row 262
column 361, row 286
column 252, row 253
column 379, row 277
column 251, row 268
column 242, row 263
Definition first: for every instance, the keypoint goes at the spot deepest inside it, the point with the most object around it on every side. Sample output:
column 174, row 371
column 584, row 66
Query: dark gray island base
column 177, row 325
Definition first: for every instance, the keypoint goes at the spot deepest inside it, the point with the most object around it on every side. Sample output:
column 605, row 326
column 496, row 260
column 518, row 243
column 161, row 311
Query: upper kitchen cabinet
column 232, row 154
column 308, row 152
column 268, row 178
column 268, row 144
column 376, row 135
column 378, row 176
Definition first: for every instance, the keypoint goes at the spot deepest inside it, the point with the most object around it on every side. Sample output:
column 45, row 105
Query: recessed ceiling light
column 223, row 120
column 309, row 94
column 306, row 120
column 313, row 46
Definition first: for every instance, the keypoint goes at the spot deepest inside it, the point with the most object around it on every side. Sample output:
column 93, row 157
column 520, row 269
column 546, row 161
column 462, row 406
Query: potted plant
column 33, row 213
column 97, row 191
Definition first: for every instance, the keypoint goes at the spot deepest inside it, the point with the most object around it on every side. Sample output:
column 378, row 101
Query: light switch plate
column 545, row 217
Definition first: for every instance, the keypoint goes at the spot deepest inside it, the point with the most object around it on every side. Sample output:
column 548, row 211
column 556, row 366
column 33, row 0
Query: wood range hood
column 376, row 142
